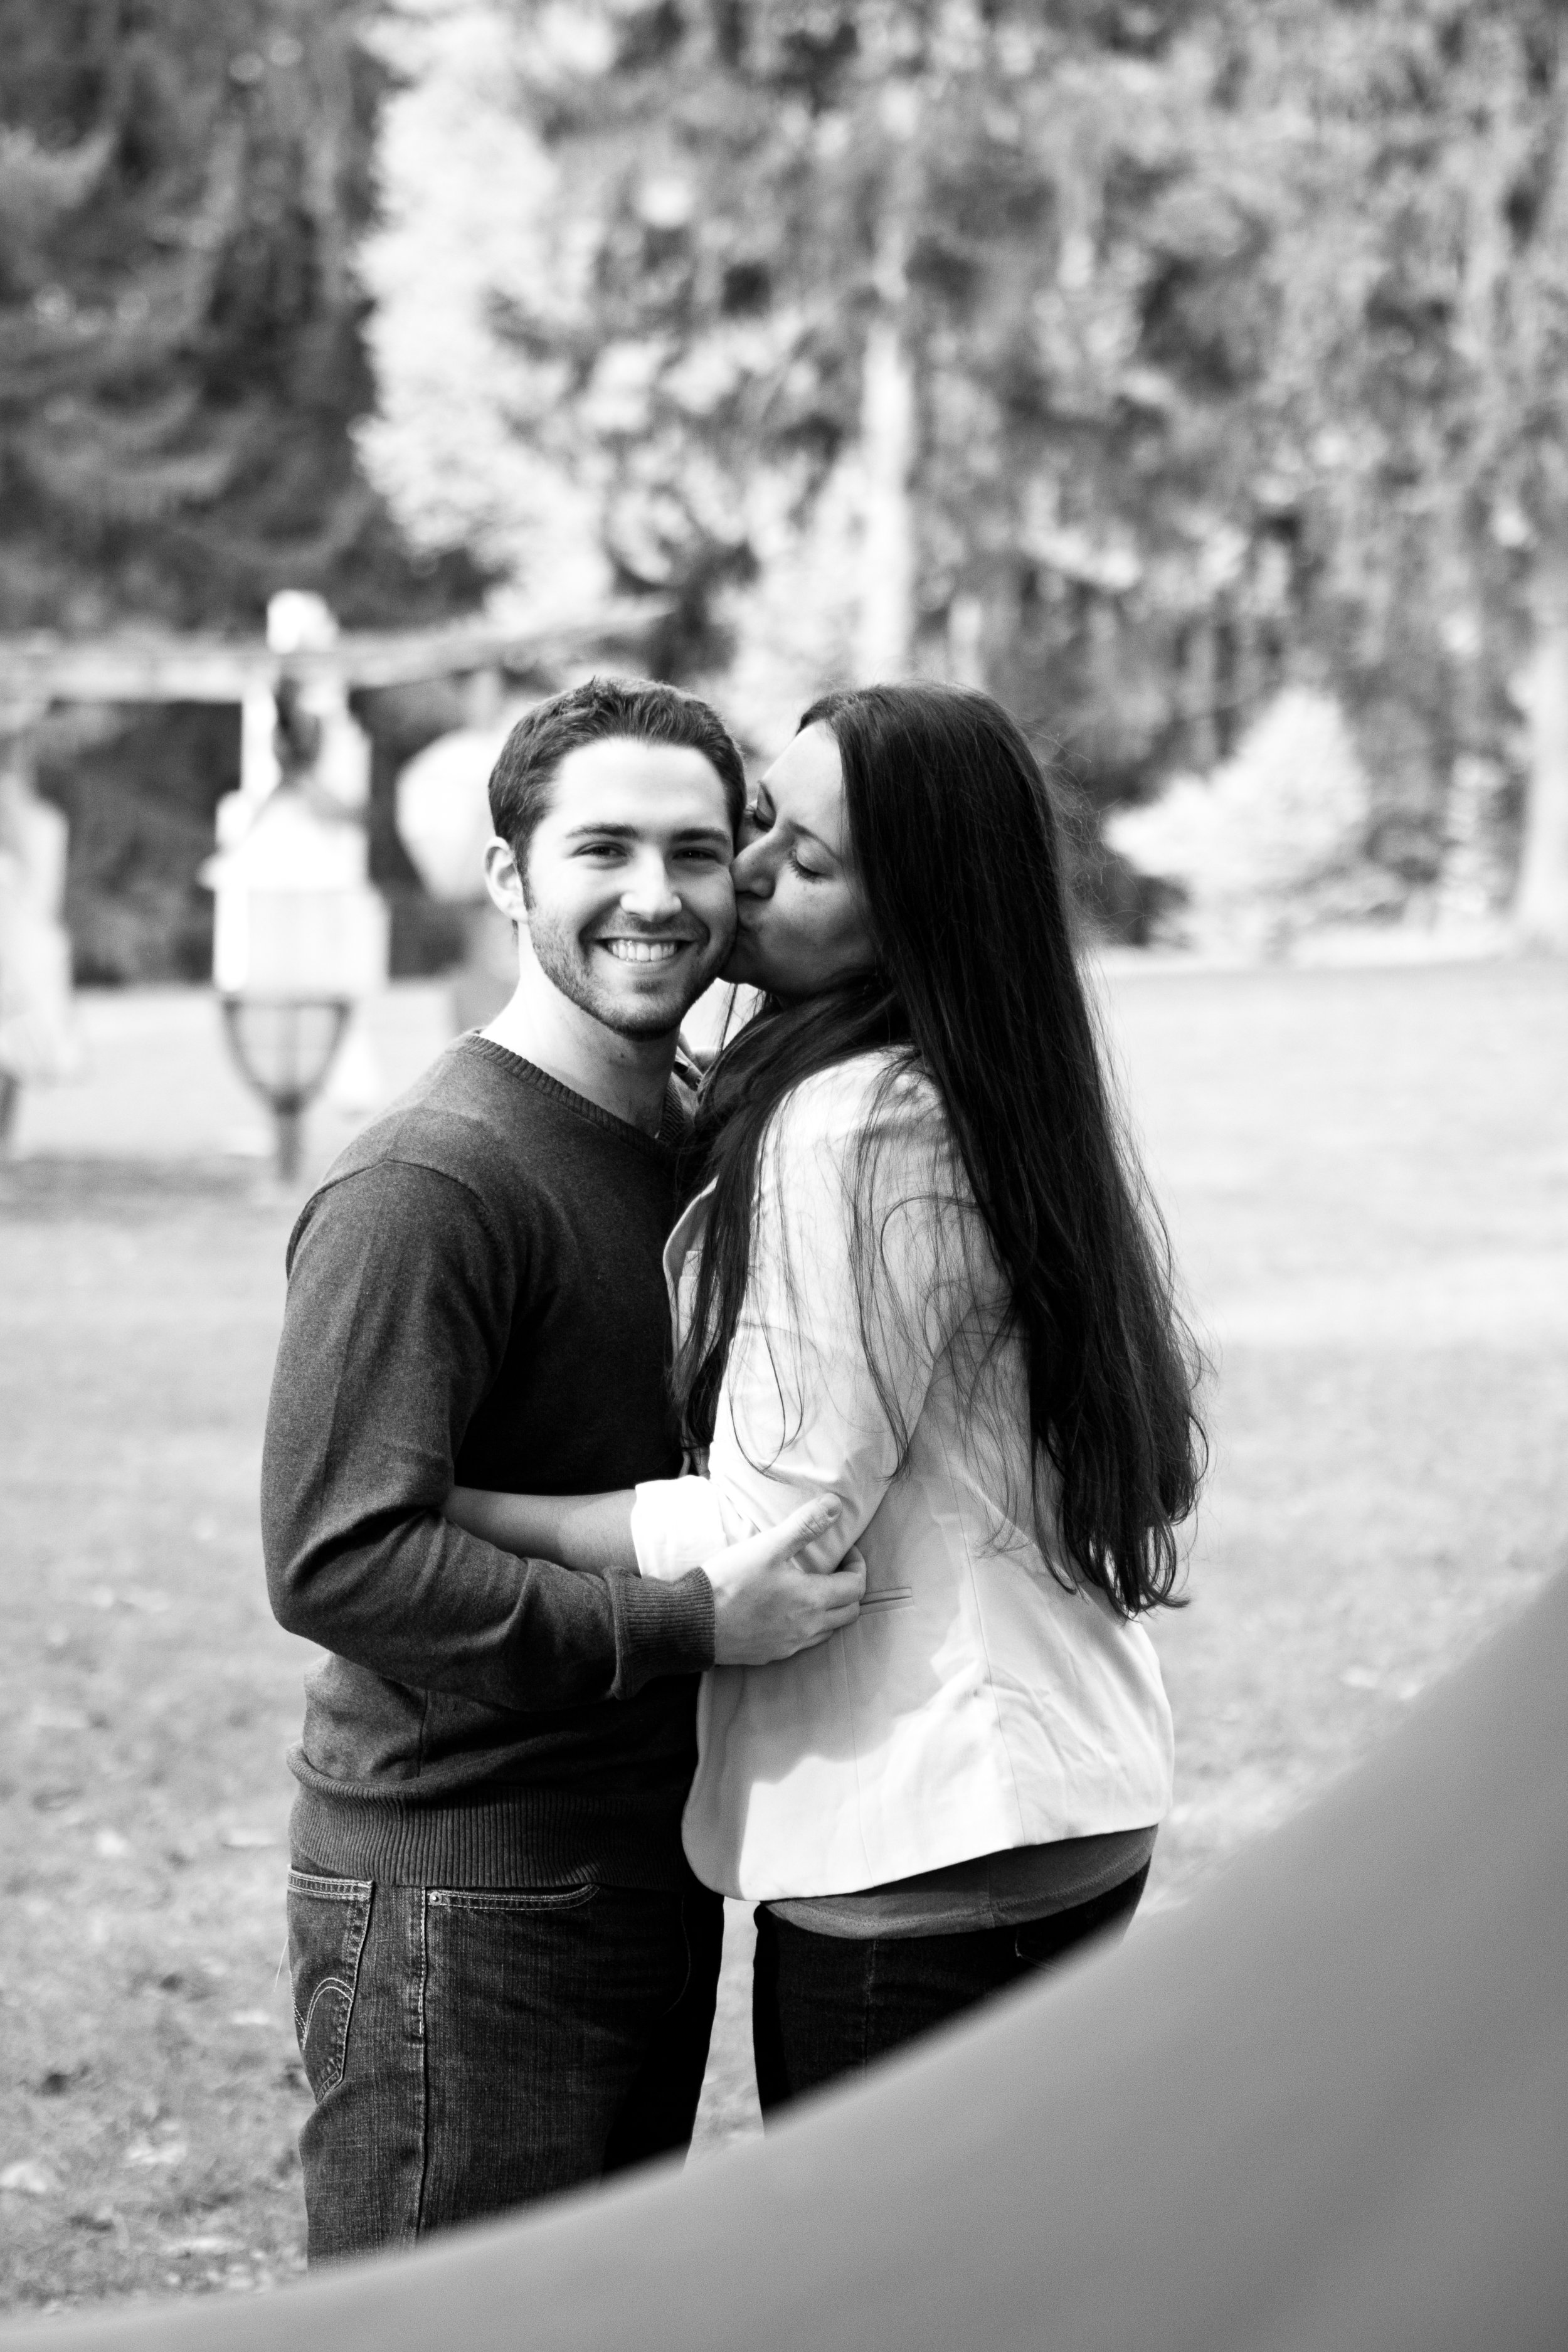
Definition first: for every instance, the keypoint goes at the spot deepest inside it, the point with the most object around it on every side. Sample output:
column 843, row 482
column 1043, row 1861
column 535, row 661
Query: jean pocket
column 512, row 1902
column 327, row 1922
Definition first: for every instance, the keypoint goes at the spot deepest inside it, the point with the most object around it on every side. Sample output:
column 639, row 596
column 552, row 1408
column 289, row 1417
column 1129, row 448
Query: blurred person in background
column 36, row 1038
column 503, row 1969
column 923, row 1274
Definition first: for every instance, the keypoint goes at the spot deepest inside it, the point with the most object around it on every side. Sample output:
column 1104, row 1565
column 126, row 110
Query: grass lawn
column 1367, row 1176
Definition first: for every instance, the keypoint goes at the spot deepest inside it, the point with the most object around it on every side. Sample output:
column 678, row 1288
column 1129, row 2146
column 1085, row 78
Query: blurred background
column 1194, row 377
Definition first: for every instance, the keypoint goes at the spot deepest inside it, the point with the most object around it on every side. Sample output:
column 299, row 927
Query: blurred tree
column 182, row 360
column 1136, row 362
column 1421, row 388
column 908, row 331
column 182, row 182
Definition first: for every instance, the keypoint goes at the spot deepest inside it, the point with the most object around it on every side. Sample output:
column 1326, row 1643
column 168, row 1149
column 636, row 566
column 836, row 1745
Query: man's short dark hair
column 639, row 708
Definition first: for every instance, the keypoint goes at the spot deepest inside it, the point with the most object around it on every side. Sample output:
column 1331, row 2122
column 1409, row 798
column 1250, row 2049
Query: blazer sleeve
column 854, row 1279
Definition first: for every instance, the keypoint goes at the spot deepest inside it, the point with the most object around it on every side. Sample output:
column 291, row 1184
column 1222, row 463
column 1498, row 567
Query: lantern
column 300, row 937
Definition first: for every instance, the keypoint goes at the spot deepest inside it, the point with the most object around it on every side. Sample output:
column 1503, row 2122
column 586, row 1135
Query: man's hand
column 767, row 1605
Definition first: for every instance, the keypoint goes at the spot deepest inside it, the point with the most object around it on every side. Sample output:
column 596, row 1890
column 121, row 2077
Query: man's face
column 630, row 910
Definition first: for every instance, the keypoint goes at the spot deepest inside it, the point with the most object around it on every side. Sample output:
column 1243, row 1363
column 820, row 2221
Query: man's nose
column 650, row 892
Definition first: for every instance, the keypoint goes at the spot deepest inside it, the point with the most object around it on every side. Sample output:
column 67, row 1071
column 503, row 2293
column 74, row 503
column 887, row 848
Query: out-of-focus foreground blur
column 1195, row 378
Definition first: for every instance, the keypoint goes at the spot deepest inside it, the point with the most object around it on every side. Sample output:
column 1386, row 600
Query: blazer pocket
column 888, row 1596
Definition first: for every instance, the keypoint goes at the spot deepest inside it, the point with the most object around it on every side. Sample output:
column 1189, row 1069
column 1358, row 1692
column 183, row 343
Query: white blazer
column 975, row 1705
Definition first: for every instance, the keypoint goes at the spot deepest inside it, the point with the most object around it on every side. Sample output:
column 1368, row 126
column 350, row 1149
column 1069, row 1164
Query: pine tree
column 181, row 183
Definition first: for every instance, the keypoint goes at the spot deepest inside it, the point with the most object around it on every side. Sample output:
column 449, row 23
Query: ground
column 1366, row 1174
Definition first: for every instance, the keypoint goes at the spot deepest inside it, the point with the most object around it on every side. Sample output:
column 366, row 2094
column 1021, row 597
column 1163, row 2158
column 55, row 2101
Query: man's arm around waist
column 399, row 1310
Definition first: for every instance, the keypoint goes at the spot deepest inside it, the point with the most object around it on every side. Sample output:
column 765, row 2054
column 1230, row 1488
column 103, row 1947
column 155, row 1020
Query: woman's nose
column 750, row 872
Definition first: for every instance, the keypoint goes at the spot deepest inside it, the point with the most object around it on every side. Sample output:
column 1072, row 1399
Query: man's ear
column 503, row 880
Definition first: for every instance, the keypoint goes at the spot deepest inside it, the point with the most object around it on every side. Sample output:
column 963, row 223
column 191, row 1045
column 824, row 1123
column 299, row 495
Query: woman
column 921, row 1273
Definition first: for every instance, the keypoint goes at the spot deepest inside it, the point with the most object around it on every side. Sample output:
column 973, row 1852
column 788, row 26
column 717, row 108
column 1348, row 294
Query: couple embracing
column 747, row 1482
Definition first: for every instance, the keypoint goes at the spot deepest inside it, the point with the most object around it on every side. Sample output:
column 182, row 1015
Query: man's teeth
column 644, row 951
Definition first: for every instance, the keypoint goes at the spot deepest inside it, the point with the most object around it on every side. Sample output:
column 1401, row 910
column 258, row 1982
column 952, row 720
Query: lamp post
column 284, row 1047
column 300, row 938
column 299, row 934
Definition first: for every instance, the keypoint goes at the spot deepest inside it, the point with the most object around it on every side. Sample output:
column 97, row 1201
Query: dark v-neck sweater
column 476, row 1297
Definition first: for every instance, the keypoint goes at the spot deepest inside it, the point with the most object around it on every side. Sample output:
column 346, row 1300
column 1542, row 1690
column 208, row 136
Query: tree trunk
column 1540, row 903
column 885, row 636
column 1473, row 884
column 966, row 639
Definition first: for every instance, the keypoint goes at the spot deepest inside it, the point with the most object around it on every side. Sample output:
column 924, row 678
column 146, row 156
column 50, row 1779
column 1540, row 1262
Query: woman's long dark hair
column 958, row 847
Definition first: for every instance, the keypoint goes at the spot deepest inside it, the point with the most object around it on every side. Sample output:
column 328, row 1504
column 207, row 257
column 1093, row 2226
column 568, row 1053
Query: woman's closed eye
column 761, row 819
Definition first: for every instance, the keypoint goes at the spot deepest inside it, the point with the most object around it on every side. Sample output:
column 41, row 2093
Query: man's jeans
column 471, row 2049
column 824, row 2007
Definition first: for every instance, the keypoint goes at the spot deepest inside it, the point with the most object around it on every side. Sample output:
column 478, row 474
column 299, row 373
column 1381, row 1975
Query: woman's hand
column 767, row 1605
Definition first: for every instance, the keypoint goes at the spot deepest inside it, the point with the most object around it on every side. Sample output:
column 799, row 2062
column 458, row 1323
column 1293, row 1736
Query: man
column 503, row 1969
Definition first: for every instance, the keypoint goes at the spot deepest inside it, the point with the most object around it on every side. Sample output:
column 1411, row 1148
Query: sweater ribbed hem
column 512, row 1837
column 660, row 1628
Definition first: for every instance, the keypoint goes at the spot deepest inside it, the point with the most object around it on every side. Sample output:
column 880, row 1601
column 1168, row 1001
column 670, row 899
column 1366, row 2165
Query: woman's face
column 800, row 919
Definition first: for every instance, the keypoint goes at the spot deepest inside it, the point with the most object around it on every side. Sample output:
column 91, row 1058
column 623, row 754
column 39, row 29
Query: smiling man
column 503, row 1969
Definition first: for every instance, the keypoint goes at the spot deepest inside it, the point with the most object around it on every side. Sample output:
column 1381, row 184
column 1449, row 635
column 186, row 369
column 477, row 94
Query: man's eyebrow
column 635, row 833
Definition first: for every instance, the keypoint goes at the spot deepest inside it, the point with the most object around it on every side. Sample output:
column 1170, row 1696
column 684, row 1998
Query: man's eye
column 600, row 849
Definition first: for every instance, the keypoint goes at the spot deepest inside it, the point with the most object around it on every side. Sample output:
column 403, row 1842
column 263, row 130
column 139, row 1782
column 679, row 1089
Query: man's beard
column 567, row 964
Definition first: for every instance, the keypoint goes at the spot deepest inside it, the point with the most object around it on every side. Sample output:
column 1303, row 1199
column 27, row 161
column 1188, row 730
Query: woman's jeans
column 471, row 2049
column 825, row 2006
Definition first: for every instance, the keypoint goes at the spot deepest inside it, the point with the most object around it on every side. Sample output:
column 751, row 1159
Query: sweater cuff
column 662, row 1627
column 676, row 1523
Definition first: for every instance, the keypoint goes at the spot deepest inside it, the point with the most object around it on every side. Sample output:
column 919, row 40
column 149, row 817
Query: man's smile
column 645, row 950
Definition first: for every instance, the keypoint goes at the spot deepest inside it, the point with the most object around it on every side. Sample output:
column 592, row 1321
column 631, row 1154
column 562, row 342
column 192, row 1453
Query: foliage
column 182, row 182
column 1137, row 362
column 1276, row 839
column 1417, row 397
column 182, row 186
column 1231, row 342
column 717, row 209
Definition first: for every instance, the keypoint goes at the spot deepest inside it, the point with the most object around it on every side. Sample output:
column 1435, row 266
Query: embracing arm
column 802, row 1407
column 581, row 1531
column 769, row 1599
column 399, row 1309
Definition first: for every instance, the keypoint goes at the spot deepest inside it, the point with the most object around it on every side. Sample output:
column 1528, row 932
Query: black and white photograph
column 783, row 1175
